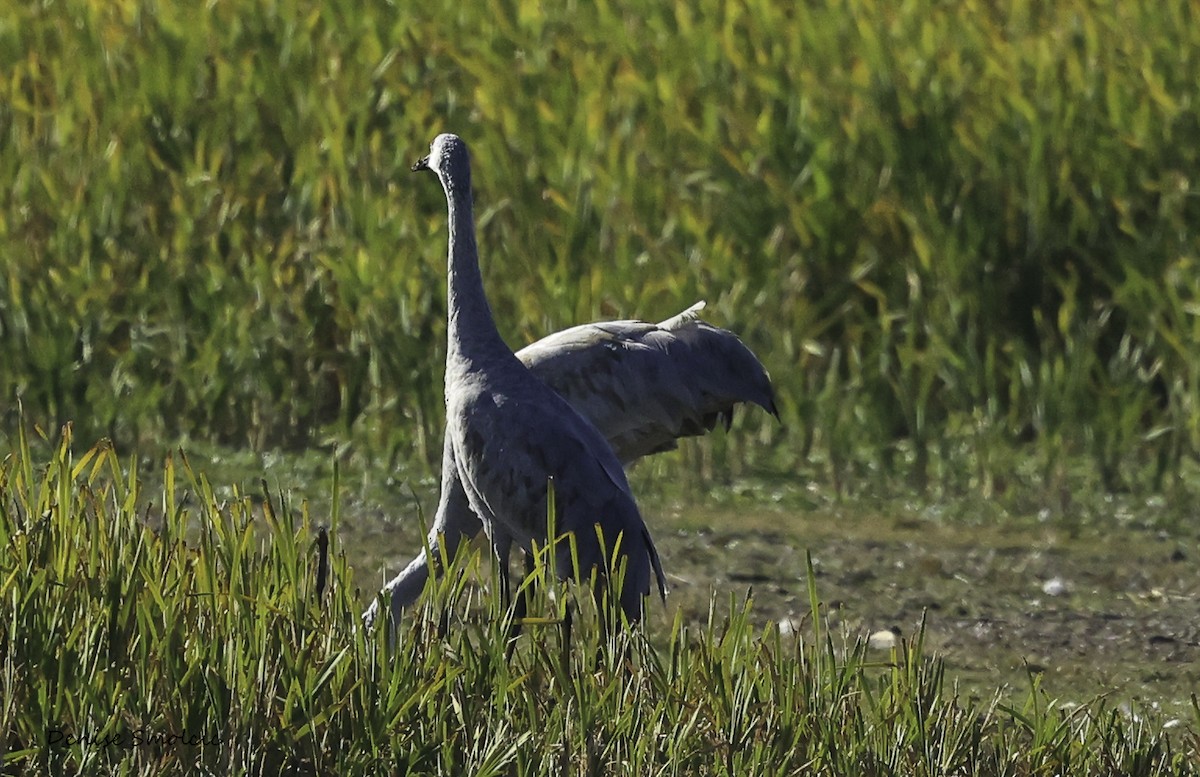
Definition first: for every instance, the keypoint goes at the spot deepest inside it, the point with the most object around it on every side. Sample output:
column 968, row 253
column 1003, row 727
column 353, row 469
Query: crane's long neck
column 471, row 331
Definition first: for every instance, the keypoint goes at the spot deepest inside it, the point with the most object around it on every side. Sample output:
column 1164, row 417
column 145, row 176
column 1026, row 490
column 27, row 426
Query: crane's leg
column 504, row 583
column 522, row 607
column 501, row 545
column 566, row 643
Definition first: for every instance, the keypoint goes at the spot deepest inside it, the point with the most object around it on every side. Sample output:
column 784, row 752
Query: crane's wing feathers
column 511, row 469
column 646, row 385
column 508, row 476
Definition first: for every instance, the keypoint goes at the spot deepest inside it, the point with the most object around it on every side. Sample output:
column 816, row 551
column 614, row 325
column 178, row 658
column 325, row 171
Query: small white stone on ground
column 885, row 639
column 1055, row 586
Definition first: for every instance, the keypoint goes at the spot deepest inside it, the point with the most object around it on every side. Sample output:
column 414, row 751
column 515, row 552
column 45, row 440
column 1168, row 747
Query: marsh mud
column 1088, row 612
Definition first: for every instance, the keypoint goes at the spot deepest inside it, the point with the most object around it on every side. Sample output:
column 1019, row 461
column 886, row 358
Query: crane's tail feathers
column 680, row 320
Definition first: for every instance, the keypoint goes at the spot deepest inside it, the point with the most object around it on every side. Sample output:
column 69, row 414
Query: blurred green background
column 955, row 232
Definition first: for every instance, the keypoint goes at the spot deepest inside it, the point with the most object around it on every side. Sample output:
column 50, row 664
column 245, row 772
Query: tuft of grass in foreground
column 170, row 633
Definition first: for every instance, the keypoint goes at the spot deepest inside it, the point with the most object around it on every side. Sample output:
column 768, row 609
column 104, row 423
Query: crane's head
column 447, row 155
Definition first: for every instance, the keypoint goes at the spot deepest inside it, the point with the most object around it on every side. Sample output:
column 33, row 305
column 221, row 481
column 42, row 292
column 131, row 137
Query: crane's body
column 642, row 385
column 509, row 435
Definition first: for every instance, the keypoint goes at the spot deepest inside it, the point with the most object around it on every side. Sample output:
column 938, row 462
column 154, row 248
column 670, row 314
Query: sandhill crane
column 508, row 434
column 642, row 385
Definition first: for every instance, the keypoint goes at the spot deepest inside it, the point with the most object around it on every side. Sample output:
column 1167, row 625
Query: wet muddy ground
column 1116, row 614
column 1091, row 612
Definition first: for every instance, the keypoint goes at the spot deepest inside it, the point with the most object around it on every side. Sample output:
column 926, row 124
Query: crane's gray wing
column 646, row 385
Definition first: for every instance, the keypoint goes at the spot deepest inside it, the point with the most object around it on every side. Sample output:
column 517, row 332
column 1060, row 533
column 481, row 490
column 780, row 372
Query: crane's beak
column 421, row 164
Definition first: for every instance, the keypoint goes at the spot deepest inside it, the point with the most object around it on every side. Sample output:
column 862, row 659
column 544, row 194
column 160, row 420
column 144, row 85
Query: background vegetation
column 948, row 229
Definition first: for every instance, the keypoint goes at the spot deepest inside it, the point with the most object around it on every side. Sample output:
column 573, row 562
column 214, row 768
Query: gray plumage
column 643, row 386
column 508, row 434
